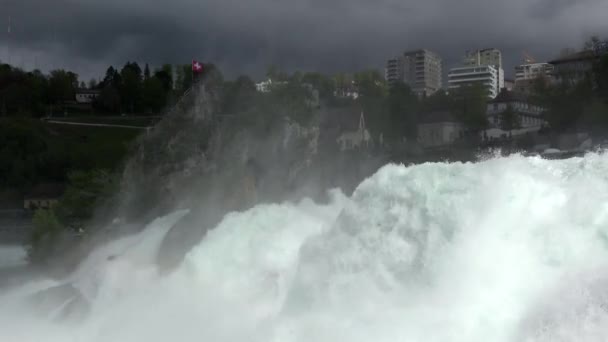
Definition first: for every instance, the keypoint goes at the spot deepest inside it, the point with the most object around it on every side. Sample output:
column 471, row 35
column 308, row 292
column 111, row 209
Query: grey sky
column 245, row 36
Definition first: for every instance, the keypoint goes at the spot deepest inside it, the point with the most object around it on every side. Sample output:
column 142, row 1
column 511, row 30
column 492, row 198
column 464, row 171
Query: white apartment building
column 487, row 75
column 490, row 56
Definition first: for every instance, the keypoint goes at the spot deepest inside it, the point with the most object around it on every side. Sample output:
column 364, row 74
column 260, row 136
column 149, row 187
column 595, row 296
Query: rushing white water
column 12, row 256
column 509, row 249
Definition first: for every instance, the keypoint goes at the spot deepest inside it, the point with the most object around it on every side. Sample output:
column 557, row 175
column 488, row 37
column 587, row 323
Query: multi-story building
column 575, row 67
column 529, row 115
column 395, row 70
column 490, row 56
column 486, row 75
column 532, row 71
column 420, row 69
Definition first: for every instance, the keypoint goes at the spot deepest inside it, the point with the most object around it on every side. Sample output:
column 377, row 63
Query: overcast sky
column 245, row 36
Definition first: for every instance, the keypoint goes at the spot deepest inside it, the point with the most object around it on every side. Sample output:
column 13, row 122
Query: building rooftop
column 509, row 96
column 578, row 56
column 88, row 91
column 46, row 190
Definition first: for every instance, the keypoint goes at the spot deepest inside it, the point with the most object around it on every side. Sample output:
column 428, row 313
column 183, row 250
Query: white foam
column 12, row 256
column 509, row 249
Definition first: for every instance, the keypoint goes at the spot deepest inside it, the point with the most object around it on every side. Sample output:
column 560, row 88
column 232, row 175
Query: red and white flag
column 197, row 67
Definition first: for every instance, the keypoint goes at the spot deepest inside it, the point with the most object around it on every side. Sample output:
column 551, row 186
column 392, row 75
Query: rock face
column 197, row 159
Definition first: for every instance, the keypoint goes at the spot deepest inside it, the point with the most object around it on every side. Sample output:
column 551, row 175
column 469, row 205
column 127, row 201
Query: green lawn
column 94, row 147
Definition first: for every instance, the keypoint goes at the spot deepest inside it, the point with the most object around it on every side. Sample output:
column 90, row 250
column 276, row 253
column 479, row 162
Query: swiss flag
column 197, row 67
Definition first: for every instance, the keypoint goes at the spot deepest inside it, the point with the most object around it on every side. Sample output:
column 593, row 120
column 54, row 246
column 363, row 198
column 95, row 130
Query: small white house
column 86, row 95
column 439, row 128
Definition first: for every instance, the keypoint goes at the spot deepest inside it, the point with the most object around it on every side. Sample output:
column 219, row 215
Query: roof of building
column 509, row 96
column 46, row 190
column 437, row 116
column 88, row 91
column 578, row 56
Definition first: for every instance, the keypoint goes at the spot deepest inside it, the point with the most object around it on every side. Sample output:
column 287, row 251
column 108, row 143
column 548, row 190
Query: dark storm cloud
column 327, row 35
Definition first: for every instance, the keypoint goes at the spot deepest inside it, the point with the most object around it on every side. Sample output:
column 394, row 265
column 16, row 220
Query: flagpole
column 8, row 44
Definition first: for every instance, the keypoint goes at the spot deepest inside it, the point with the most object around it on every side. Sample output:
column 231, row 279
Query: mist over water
column 12, row 256
column 508, row 249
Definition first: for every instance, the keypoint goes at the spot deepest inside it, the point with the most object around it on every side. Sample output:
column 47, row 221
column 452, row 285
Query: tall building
column 532, row 71
column 486, row 57
column 487, row 75
column 490, row 56
column 420, row 69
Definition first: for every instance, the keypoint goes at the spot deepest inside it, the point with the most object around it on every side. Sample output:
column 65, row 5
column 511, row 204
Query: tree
column 131, row 90
column 437, row 101
column 275, row 74
column 165, row 76
column 112, row 78
column 154, row 95
column 373, row 93
column 564, row 103
column 86, row 190
column 62, row 86
column 93, row 83
column 470, row 106
column 403, row 110
column 322, row 83
column 109, row 99
column 509, row 119
column 43, row 237
column 239, row 95
column 600, row 75
column 146, row 72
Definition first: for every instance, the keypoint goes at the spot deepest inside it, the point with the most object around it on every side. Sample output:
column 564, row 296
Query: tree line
column 130, row 89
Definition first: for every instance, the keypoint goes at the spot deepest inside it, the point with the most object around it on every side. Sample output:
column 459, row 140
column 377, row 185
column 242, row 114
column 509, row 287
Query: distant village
column 422, row 71
column 357, row 114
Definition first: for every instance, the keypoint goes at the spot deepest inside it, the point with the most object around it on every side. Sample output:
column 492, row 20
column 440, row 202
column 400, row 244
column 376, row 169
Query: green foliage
column 564, row 103
column 601, row 77
column 154, row 95
column 165, row 75
column 373, row 93
column 322, row 83
column 469, row 106
column 403, row 109
column 440, row 100
column 109, row 99
column 42, row 152
column 238, row 95
column 131, row 87
column 21, row 93
column 86, row 190
column 47, row 228
column 62, row 86
column 24, row 144
column 509, row 119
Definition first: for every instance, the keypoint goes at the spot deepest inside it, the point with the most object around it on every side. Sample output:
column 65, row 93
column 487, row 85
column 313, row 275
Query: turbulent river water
column 507, row 249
